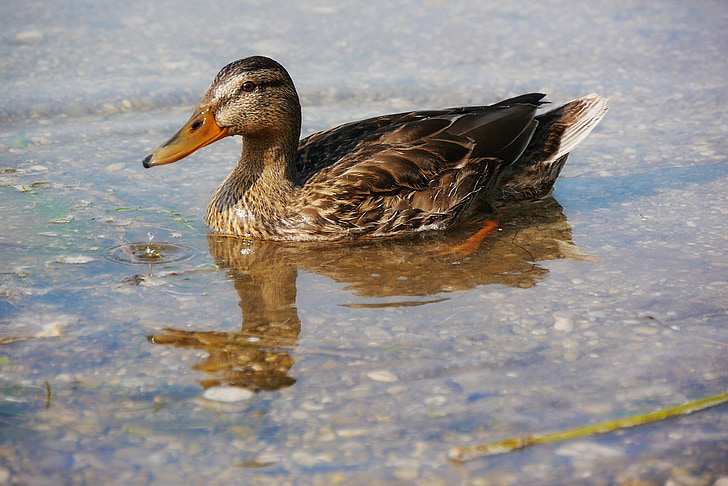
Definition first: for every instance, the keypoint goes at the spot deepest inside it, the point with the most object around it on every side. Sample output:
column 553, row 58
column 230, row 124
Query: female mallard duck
column 387, row 175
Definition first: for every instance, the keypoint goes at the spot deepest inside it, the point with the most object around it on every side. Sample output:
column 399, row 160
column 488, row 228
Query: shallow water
column 265, row 363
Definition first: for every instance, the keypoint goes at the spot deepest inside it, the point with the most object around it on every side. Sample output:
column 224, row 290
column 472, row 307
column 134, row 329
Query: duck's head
column 253, row 97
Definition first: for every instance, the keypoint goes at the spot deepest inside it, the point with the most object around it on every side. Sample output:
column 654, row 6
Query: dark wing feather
column 323, row 149
column 528, row 98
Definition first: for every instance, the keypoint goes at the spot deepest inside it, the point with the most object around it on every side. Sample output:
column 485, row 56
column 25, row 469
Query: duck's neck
column 258, row 190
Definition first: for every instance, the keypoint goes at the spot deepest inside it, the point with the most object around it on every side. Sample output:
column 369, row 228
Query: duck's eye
column 248, row 86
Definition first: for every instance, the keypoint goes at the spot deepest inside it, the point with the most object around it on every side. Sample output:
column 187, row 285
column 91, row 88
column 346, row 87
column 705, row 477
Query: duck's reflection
column 254, row 358
column 402, row 271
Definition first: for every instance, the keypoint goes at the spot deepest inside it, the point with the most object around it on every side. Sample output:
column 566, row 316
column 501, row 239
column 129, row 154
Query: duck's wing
column 327, row 148
column 417, row 168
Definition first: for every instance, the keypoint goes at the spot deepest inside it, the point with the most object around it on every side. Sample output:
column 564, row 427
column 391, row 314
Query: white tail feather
column 586, row 113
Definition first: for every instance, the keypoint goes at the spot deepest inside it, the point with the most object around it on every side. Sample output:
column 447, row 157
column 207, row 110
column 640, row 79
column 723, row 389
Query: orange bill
column 200, row 130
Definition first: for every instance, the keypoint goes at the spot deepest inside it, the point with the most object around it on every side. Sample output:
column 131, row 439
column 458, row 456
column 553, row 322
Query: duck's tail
column 533, row 175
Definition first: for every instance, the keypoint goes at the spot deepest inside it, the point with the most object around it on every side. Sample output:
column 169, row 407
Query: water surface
column 264, row 363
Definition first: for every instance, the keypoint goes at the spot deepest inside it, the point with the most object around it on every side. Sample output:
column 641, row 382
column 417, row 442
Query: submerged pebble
column 76, row 260
column 563, row 323
column 588, row 451
column 227, row 394
column 382, row 375
column 29, row 37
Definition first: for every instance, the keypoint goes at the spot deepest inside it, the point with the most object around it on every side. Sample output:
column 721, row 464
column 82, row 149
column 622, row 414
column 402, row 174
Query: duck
column 384, row 176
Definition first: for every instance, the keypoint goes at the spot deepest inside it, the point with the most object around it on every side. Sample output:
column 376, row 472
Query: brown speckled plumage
column 381, row 176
